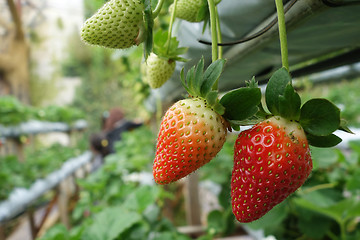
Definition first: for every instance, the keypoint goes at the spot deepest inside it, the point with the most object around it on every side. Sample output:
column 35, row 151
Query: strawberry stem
column 282, row 33
column 219, row 36
column 157, row 9
column 214, row 36
column 215, row 26
column 172, row 19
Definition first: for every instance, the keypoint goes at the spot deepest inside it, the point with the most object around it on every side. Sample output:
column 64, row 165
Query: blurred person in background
column 114, row 124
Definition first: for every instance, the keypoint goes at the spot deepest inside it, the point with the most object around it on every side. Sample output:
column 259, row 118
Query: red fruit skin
column 190, row 135
column 271, row 161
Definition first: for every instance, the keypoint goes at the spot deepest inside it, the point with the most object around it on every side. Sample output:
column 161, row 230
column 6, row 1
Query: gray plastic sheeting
column 313, row 30
column 36, row 127
column 21, row 198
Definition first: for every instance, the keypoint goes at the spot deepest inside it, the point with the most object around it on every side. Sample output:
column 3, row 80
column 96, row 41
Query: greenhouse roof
column 316, row 29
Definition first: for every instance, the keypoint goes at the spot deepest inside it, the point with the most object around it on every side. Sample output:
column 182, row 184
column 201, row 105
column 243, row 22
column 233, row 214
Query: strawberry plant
column 39, row 163
column 12, row 111
column 272, row 159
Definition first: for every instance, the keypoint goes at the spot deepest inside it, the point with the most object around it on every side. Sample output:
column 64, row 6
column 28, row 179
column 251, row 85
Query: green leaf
column 339, row 211
column 234, row 126
column 110, row 223
column 168, row 48
column 276, row 88
column 160, row 38
column 219, row 108
column 212, row 73
column 323, row 158
column 319, row 117
column 216, row 221
column 343, row 126
column 183, row 81
column 199, row 70
column 316, row 231
column 211, row 98
column 289, row 103
column 57, row 232
column 323, row 141
column 190, row 81
column 353, row 182
column 241, row 103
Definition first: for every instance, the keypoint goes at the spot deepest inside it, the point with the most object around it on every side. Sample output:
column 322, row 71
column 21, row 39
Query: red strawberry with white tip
column 192, row 131
column 271, row 161
column 117, row 24
column 191, row 134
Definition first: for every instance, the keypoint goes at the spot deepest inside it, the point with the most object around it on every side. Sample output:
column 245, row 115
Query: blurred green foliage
column 109, row 78
column 344, row 94
column 38, row 164
column 13, row 112
column 113, row 207
column 325, row 207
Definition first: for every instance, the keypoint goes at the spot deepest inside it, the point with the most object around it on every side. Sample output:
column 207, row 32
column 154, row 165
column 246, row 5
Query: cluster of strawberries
column 271, row 160
column 121, row 24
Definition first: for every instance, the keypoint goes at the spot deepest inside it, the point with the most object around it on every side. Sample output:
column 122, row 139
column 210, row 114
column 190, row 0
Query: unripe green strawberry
column 157, row 70
column 271, row 161
column 117, row 24
column 191, row 134
column 189, row 10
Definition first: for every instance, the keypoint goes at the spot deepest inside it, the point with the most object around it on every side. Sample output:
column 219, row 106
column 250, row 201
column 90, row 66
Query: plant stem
column 319, row 187
column 158, row 7
column 219, row 36
column 214, row 37
column 331, row 235
column 342, row 231
column 282, row 33
column 172, row 19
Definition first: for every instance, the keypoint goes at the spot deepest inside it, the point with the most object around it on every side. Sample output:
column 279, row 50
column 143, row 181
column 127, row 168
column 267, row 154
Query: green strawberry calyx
column 238, row 107
column 199, row 83
column 168, row 48
column 318, row 117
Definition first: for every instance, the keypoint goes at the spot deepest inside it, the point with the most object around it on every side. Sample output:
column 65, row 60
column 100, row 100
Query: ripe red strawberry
column 191, row 134
column 157, row 70
column 271, row 161
column 117, row 24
